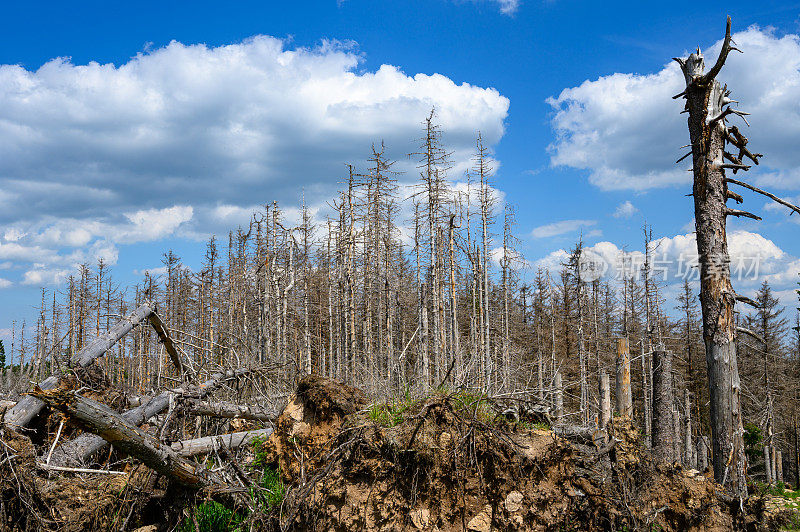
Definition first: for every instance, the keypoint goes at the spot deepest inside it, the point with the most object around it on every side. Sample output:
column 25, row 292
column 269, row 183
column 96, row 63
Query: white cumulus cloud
column 624, row 129
column 625, row 209
column 181, row 140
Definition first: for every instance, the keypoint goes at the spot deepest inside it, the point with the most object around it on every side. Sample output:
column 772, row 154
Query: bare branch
column 734, row 196
column 773, row 197
column 740, row 214
column 746, row 300
column 735, row 137
column 723, row 55
column 748, row 332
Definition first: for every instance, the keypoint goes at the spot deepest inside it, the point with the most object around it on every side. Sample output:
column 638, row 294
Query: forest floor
column 337, row 462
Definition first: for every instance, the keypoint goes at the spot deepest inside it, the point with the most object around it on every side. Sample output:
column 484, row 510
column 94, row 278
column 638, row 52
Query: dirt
column 447, row 466
column 443, row 463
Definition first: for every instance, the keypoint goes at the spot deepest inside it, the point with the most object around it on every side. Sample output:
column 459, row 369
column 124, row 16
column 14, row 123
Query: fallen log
column 234, row 440
column 79, row 450
column 98, row 418
column 164, row 338
column 578, row 433
column 228, row 410
column 29, row 406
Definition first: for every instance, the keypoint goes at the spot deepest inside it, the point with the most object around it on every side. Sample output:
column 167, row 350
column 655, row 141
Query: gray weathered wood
column 163, row 335
column 689, row 456
column 702, row 454
column 228, row 410
column 768, row 465
column 605, row 400
column 79, row 450
column 707, row 104
column 663, row 430
column 207, row 444
column 98, row 418
column 28, row 407
column 559, row 397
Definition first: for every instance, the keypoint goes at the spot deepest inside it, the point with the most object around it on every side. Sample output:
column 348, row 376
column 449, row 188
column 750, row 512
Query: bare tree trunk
column 623, row 384
column 663, row 432
column 115, row 429
column 705, row 102
column 768, row 465
column 186, row 448
column 228, row 410
column 82, row 448
column 559, row 396
column 605, row 400
column 702, row 454
column 689, row 458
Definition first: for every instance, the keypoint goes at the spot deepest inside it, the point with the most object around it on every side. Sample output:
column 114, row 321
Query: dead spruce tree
column 708, row 106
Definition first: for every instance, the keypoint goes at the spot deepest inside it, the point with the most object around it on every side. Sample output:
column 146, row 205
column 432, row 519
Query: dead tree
column 186, row 448
column 663, row 431
column 28, row 407
column 623, row 384
column 689, row 457
column 101, row 420
column 708, row 105
column 227, row 410
column 605, row 400
column 82, row 448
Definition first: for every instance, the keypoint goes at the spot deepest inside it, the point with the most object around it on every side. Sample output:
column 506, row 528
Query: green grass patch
column 212, row 516
column 391, row 413
column 269, row 490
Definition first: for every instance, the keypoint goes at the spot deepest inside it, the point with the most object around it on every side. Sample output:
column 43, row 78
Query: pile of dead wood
column 144, row 432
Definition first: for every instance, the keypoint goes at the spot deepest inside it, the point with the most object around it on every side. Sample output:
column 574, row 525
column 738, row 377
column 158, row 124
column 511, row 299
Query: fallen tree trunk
column 234, row 440
column 579, row 433
column 114, row 428
column 29, row 406
column 228, row 410
column 164, row 338
column 81, row 449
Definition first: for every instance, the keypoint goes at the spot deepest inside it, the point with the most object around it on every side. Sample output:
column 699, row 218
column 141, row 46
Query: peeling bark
column 706, row 102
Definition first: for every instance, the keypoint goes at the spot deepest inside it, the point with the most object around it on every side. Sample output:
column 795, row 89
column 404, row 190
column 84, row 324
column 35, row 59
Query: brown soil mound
column 448, row 464
column 445, row 463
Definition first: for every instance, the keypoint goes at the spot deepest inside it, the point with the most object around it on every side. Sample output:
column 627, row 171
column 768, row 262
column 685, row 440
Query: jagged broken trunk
column 708, row 132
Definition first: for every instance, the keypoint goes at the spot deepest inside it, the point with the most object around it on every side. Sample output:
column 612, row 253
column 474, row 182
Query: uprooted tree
column 708, row 105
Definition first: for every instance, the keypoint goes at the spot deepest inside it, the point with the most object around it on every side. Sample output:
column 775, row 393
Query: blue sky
column 158, row 144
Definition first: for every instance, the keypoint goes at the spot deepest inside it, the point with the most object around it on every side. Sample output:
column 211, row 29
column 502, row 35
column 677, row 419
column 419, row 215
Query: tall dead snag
column 28, row 407
column 708, row 106
column 663, row 430
column 689, row 457
column 623, row 384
